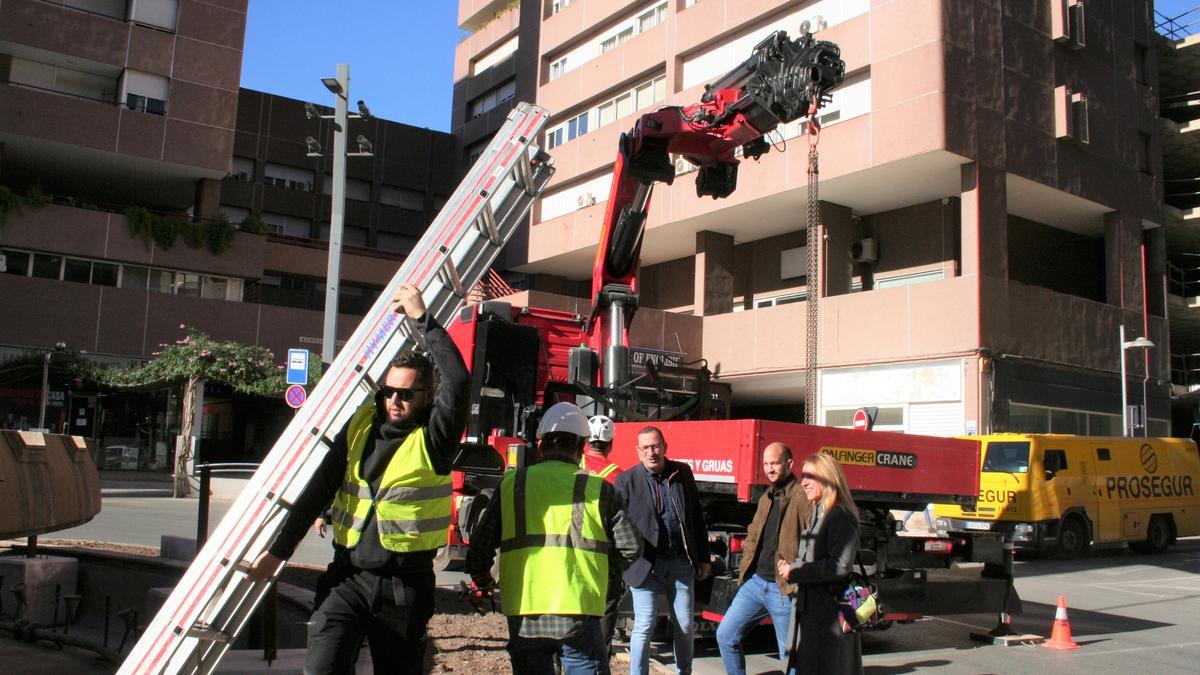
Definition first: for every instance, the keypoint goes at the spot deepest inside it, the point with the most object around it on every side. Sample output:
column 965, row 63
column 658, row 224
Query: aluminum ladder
column 214, row 599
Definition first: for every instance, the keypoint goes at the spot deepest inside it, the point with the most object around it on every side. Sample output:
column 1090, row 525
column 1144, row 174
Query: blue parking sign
column 297, row 366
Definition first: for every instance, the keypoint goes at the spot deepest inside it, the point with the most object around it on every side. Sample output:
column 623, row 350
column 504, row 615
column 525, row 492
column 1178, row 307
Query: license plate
column 976, row 525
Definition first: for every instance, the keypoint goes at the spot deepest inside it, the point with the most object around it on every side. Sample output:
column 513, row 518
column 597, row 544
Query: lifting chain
column 812, row 315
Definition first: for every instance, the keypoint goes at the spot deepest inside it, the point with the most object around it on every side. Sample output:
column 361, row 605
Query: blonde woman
column 828, row 543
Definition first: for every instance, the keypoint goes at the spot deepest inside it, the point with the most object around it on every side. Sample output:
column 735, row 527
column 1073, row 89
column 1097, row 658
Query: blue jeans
column 754, row 601
column 675, row 578
column 582, row 653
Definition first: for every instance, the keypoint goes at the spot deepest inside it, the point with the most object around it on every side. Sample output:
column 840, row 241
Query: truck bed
column 882, row 467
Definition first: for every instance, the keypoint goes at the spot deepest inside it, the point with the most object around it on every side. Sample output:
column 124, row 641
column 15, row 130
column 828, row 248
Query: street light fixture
column 59, row 347
column 1138, row 343
column 340, row 87
column 334, row 84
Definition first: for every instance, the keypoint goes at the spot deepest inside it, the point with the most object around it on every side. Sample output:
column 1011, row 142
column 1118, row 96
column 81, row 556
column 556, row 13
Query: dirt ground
column 461, row 640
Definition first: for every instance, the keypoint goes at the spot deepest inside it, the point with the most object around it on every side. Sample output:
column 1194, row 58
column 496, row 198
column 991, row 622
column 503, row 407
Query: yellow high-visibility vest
column 412, row 505
column 553, row 545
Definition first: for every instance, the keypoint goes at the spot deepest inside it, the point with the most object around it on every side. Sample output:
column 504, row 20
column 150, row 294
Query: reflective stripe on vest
column 553, row 545
column 412, row 505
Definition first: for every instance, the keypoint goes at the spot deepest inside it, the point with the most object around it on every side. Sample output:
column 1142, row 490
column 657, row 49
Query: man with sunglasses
column 559, row 529
column 388, row 477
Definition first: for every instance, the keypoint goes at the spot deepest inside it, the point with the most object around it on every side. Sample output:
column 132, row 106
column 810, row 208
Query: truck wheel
column 1158, row 537
column 1072, row 538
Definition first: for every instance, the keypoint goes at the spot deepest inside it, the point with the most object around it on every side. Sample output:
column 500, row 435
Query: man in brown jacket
column 760, row 594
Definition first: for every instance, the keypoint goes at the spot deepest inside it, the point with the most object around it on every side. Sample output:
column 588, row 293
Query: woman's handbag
column 859, row 607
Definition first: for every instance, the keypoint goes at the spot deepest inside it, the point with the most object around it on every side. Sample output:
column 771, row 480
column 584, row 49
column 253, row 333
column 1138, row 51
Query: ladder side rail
column 303, row 438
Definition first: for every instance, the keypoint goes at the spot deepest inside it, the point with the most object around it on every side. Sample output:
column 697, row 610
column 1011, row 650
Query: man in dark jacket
column 761, row 593
column 388, row 477
column 662, row 500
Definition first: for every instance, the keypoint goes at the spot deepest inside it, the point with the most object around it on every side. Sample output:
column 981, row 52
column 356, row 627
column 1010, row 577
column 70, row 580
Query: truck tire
column 1073, row 538
column 1158, row 536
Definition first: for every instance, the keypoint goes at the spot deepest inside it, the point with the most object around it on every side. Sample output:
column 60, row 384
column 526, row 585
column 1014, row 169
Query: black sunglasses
column 386, row 392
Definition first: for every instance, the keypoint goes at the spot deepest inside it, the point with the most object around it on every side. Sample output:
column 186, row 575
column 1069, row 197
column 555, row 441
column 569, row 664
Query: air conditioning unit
column 585, row 199
column 865, row 250
column 1071, row 115
column 1068, row 23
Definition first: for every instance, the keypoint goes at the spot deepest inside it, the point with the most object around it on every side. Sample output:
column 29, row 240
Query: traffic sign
column 297, row 368
column 864, row 418
column 295, row 395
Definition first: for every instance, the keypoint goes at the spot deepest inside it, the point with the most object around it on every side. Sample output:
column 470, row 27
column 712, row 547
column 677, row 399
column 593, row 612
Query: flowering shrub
column 248, row 369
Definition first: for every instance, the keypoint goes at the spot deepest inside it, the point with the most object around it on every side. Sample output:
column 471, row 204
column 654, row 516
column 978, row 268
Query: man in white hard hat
column 601, row 431
column 596, row 462
column 558, row 530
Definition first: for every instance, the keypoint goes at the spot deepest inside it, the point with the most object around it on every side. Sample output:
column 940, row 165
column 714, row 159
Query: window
column 145, row 92
column 161, row 281
column 1103, row 454
column 1055, row 460
column 16, row 262
column 616, row 40
column 135, row 277
column 495, row 56
column 79, row 271
column 104, row 274
column 243, row 169
column 492, row 98
column 607, row 113
column 157, row 13
column 781, row 299
column 187, row 283
column 652, row 18
column 567, row 131
column 558, row 68
column 624, row 105
column 559, row 5
column 1007, row 457
column 47, row 266
column 145, row 104
column 412, row 200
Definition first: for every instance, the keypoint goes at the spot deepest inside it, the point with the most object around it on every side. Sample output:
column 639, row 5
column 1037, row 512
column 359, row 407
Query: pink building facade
column 995, row 163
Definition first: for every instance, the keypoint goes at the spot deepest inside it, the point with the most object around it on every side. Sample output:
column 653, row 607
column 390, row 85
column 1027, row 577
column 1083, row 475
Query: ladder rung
column 207, row 633
column 487, row 224
column 409, row 329
column 524, row 176
column 449, row 275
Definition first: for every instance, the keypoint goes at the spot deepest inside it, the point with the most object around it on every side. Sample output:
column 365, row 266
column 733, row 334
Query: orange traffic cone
column 1060, row 636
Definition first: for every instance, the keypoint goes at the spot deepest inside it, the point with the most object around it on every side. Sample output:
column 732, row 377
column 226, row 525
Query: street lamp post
column 1138, row 343
column 58, row 348
column 340, row 87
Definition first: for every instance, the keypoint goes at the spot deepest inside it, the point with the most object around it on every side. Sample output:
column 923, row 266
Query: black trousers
column 616, row 591
column 391, row 613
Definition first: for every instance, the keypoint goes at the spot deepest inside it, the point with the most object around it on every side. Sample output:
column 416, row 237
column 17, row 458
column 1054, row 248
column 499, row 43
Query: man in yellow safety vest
column 558, row 529
column 388, row 476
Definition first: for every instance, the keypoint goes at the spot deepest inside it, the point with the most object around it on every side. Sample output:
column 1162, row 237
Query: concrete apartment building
column 998, row 164
column 109, row 104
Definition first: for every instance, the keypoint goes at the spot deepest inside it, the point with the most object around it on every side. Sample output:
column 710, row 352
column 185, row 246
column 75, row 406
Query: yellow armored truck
column 1060, row 492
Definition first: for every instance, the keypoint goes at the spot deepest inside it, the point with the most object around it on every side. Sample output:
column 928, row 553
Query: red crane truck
column 523, row 359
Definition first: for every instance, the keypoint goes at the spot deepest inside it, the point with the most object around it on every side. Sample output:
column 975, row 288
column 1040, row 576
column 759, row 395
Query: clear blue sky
column 401, row 53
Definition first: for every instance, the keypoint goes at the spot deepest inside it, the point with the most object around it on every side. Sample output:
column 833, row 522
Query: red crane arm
column 782, row 80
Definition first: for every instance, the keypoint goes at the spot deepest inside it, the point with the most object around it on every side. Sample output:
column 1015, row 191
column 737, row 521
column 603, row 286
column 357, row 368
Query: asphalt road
column 1130, row 613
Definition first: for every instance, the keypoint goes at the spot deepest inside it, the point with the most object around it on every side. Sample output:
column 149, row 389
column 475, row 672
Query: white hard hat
column 564, row 418
column 602, row 429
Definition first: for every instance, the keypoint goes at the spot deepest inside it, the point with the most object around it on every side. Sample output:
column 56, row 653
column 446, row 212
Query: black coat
column 633, row 485
column 821, row 575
